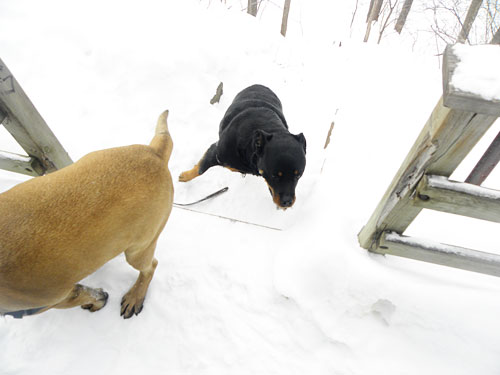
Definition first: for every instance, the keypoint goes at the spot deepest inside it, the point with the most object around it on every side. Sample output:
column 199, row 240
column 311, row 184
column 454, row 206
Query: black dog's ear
column 300, row 137
column 260, row 138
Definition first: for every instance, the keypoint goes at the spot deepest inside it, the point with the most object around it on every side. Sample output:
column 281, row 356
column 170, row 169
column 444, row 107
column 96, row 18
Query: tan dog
column 57, row 229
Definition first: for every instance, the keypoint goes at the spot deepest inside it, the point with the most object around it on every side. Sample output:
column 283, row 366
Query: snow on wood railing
column 459, row 120
column 20, row 164
column 21, row 119
column 440, row 194
column 470, row 78
column 444, row 142
column 434, row 252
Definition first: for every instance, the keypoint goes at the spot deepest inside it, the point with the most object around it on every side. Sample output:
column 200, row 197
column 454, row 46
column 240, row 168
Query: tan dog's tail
column 162, row 142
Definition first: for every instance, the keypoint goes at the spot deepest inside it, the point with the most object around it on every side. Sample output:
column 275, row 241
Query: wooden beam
column 440, row 194
column 434, row 252
column 20, row 164
column 486, row 164
column 27, row 126
column 466, row 101
column 446, row 139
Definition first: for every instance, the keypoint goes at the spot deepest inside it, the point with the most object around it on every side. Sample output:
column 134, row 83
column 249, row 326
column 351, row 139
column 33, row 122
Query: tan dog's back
column 59, row 228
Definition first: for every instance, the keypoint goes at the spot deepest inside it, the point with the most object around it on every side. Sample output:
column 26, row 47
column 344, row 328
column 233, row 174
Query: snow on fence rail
column 21, row 119
column 461, row 117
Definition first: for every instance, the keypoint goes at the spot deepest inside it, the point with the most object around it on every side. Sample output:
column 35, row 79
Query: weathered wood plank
column 439, row 193
column 20, row 164
column 486, row 164
column 437, row 253
column 445, row 140
column 27, row 126
column 466, row 101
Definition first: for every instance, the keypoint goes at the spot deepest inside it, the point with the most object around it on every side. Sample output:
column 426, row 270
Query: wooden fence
column 21, row 119
column 456, row 124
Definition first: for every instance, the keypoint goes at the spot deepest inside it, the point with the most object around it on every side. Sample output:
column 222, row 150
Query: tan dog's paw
column 131, row 304
column 101, row 298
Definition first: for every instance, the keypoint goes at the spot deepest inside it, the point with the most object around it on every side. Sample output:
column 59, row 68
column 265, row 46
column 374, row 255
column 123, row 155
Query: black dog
column 254, row 138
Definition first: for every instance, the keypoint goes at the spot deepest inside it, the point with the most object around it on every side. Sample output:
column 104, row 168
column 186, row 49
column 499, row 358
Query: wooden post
column 27, row 126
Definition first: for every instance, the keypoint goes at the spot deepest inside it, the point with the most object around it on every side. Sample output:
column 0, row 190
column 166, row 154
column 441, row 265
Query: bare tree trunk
column 252, row 7
column 403, row 15
column 375, row 7
column 369, row 11
column 469, row 20
column 496, row 37
column 284, row 21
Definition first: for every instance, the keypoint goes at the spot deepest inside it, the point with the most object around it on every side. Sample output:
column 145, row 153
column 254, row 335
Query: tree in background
column 403, row 15
column 252, row 7
column 474, row 22
column 469, row 20
column 373, row 16
column 284, row 21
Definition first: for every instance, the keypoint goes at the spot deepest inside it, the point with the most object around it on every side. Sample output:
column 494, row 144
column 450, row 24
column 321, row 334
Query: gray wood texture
column 439, row 193
column 486, row 164
column 434, row 252
column 27, row 126
column 445, row 140
column 20, row 164
column 466, row 101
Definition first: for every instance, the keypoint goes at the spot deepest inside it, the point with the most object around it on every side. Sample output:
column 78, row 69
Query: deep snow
column 232, row 298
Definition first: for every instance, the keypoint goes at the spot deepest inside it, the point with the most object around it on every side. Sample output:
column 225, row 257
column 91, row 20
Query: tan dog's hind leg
column 84, row 296
column 143, row 261
column 189, row 175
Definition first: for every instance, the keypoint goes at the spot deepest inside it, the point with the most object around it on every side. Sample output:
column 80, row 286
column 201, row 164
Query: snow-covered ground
column 234, row 298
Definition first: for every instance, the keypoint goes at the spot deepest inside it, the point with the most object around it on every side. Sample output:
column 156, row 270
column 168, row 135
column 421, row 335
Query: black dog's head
column 281, row 161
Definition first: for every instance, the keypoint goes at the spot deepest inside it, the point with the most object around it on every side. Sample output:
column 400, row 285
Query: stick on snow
column 213, row 195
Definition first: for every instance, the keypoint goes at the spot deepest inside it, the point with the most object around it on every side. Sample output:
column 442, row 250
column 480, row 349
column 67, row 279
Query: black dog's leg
column 208, row 160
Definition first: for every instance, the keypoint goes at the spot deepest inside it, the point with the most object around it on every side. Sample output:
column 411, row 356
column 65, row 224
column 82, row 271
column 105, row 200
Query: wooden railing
column 457, row 123
column 21, row 119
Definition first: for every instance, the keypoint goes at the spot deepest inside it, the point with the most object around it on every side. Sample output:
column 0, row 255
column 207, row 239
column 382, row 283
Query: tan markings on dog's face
column 280, row 174
column 261, row 172
column 295, row 172
column 276, row 197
